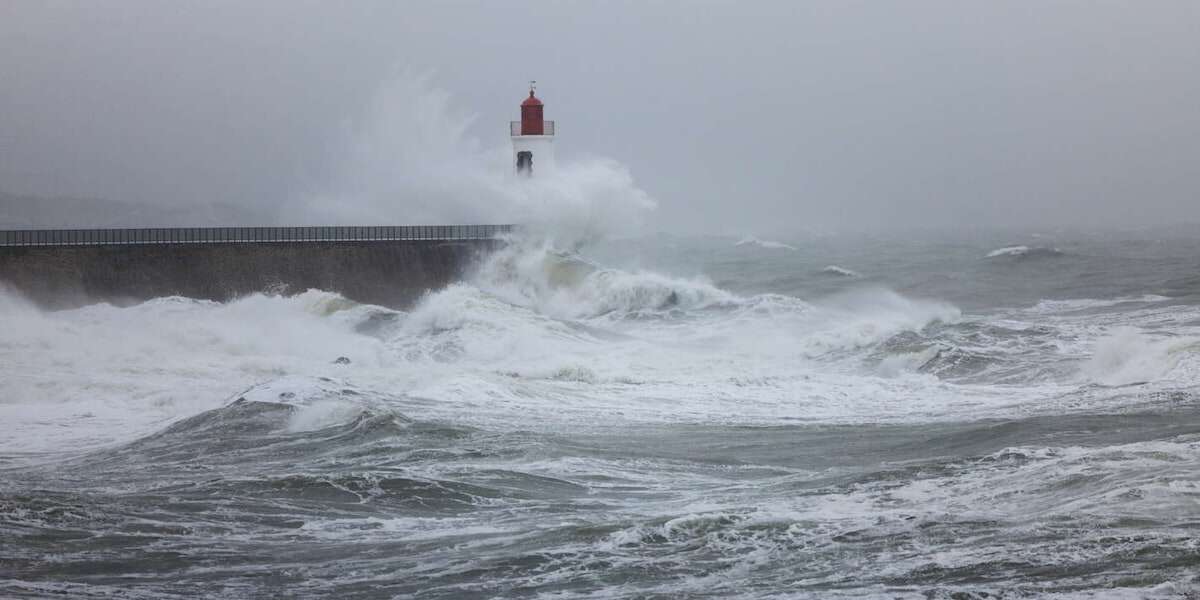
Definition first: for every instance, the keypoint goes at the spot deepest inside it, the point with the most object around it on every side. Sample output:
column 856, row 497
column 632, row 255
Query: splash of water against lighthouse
column 410, row 158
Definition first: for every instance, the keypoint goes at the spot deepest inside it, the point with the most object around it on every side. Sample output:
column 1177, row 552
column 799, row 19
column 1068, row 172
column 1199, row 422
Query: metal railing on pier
column 226, row 235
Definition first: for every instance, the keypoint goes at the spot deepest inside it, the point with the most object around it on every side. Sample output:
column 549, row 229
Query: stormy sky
column 738, row 116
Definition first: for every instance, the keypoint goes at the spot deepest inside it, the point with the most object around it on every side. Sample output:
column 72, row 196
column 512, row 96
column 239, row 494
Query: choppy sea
column 942, row 415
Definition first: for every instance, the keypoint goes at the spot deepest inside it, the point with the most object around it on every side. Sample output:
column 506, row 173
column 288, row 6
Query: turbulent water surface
column 959, row 416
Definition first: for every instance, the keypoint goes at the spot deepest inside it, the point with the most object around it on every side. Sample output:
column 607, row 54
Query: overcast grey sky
column 732, row 115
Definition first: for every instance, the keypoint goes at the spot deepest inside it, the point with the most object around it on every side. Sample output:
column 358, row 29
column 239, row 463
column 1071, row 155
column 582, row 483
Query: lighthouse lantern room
column 532, row 138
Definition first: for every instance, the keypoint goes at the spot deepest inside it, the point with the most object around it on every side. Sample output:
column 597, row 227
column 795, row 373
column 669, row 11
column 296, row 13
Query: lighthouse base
column 533, row 154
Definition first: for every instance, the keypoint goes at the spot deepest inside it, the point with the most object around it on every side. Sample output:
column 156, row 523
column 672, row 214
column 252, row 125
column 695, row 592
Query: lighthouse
column 532, row 138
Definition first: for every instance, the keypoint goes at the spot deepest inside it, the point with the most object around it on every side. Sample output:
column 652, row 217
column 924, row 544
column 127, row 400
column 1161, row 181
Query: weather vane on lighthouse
column 532, row 137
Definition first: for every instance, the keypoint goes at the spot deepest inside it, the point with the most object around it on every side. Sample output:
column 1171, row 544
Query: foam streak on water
column 565, row 427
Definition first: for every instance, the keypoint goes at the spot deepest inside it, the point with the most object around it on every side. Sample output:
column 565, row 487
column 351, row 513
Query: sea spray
column 409, row 158
column 1128, row 356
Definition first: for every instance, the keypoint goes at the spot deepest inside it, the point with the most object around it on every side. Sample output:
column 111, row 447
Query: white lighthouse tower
column 532, row 138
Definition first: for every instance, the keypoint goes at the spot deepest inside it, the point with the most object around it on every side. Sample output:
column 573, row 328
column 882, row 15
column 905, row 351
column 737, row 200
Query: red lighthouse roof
column 532, row 120
column 531, row 100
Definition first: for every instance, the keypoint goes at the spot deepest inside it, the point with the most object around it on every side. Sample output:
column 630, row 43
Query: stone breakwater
column 389, row 272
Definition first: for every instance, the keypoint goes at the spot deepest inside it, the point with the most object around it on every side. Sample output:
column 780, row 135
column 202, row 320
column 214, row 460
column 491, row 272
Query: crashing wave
column 562, row 285
column 866, row 317
column 1127, row 357
column 610, row 291
column 895, row 365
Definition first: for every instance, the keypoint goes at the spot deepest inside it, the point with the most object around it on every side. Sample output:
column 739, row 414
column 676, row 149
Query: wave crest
column 1024, row 252
column 771, row 245
column 1127, row 357
column 533, row 273
column 840, row 271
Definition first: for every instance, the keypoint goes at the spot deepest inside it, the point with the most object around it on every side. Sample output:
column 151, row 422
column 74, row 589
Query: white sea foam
column 541, row 338
column 536, row 338
column 1085, row 491
column 101, row 373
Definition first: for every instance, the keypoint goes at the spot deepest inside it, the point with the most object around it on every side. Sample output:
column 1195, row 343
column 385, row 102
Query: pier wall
column 389, row 272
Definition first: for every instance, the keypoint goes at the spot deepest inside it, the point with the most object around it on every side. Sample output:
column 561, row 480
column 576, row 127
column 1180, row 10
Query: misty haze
column 599, row 299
